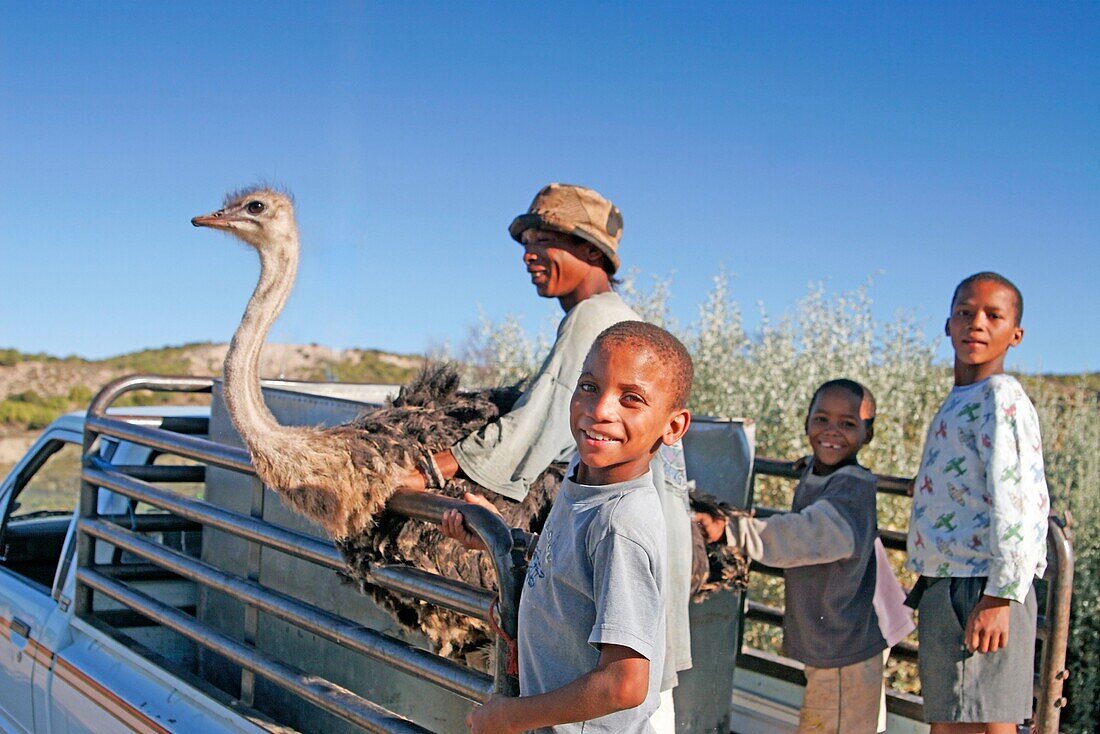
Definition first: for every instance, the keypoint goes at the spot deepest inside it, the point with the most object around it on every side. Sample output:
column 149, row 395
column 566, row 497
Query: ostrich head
column 259, row 217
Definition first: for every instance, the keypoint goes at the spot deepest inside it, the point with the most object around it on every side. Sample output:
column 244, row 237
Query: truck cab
column 57, row 672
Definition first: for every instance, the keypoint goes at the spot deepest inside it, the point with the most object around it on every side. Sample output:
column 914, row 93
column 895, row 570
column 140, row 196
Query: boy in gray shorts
column 977, row 535
column 591, row 619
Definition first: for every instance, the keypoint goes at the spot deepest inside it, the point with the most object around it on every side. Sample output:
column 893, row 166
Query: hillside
column 36, row 388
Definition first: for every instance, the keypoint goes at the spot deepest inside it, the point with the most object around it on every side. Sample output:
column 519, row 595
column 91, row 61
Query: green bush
column 9, row 357
column 32, row 410
column 365, row 366
column 163, row 361
column 769, row 376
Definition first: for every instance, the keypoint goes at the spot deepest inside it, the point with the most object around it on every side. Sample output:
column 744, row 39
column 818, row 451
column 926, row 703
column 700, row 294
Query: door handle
column 21, row 628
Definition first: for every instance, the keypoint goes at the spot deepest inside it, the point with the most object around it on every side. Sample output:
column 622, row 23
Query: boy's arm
column 817, row 534
column 1015, row 489
column 619, row 681
column 1011, row 449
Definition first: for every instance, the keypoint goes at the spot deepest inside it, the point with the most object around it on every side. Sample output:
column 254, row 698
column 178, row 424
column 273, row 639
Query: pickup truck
column 149, row 582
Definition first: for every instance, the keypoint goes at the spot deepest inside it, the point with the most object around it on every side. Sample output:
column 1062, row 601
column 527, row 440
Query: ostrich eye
column 255, row 207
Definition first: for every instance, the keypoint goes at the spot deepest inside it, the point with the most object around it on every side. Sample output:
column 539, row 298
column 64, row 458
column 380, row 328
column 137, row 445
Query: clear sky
column 789, row 143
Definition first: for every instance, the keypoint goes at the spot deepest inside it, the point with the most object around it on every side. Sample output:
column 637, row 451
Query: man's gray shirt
column 597, row 577
column 508, row 455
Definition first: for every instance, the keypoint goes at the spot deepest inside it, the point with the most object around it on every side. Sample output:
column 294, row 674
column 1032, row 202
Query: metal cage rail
column 134, row 482
column 1053, row 624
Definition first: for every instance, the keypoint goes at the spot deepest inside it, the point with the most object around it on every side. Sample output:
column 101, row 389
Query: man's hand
column 987, row 628
column 714, row 528
column 491, row 718
column 454, row 524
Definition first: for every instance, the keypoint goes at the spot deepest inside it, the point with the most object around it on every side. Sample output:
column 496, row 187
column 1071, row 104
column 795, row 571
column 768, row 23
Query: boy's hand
column 714, row 528
column 454, row 524
column 987, row 628
column 491, row 717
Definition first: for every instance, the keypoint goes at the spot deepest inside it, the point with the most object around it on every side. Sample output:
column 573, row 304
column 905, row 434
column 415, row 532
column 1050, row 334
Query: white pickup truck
column 59, row 673
column 149, row 582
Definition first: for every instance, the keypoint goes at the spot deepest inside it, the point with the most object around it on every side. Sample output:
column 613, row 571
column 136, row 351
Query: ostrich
column 341, row 477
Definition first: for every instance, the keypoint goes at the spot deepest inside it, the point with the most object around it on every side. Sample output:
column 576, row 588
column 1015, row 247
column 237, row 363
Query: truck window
column 37, row 517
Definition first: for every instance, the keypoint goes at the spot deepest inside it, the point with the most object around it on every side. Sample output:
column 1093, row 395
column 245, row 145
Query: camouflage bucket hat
column 577, row 211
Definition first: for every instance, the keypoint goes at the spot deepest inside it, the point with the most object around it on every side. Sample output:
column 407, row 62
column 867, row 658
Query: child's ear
column 1017, row 336
column 676, row 426
column 947, row 327
column 870, row 435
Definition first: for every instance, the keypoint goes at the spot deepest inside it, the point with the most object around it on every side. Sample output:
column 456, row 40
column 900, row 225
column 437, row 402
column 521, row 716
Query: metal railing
column 134, row 482
column 1053, row 625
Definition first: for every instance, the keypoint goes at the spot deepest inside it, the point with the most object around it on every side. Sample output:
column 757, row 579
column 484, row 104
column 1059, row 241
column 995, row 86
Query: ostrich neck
column 243, row 396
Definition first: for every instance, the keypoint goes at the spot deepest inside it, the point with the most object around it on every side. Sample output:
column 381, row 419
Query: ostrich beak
column 215, row 220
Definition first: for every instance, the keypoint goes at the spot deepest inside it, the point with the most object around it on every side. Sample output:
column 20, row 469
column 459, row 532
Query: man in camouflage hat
column 570, row 237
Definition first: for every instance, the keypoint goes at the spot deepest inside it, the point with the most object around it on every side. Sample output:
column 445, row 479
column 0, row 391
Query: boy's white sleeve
column 817, row 534
column 1012, row 451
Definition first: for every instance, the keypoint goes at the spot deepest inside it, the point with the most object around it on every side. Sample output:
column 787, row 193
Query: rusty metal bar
column 287, row 541
column 473, row 601
column 191, row 447
column 445, row 673
column 251, row 613
column 887, row 484
column 891, row 539
column 435, row 589
column 320, row 692
column 162, row 473
column 1052, row 664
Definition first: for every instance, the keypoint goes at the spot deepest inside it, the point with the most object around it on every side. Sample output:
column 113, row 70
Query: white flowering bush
column 770, row 375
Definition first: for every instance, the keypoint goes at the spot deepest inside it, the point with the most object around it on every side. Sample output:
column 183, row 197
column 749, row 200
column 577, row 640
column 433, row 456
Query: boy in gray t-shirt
column 591, row 617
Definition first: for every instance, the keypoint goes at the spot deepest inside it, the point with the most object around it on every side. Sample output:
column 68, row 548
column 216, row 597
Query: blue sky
column 788, row 143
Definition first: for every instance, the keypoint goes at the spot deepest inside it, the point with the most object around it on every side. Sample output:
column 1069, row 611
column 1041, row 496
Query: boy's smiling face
column 621, row 412
column 983, row 325
column 837, row 428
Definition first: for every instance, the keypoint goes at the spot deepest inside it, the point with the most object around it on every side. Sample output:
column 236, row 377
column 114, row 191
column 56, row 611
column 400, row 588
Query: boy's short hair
column 991, row 277
column 863, row 394
column 673, row 354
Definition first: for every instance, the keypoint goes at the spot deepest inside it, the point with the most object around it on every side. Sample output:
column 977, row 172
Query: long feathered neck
column 243, row 396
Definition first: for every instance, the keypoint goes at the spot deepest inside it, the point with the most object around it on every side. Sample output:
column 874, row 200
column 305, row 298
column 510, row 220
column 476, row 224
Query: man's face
column 620, row 413
column 556, row 264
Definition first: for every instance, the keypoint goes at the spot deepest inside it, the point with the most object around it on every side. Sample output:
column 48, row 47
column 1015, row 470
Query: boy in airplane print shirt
column 977, row 533
column 980, row 500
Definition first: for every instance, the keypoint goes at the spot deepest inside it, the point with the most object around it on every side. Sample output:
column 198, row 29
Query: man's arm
column 418, row 479
column 619, row 681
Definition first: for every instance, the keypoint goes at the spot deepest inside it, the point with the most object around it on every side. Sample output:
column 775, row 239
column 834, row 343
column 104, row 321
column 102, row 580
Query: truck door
column 37, row 501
